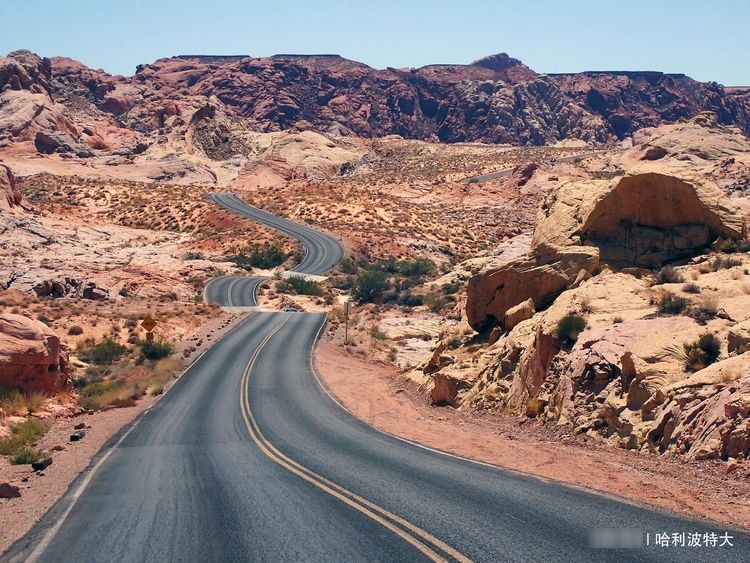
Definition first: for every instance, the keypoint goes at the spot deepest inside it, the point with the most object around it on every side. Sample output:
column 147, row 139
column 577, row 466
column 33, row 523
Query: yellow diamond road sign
column 149, row 324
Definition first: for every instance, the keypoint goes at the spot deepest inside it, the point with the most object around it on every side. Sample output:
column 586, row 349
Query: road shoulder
column 383, row 398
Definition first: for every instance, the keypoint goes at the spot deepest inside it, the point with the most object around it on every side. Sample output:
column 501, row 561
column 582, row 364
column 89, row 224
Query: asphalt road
column 247, row 458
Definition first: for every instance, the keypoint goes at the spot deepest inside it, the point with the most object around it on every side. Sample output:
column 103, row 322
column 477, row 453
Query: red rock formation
column 32, row 358
column 496, row 99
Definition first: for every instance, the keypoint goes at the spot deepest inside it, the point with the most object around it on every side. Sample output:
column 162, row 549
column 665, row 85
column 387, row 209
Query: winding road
column 249, row 458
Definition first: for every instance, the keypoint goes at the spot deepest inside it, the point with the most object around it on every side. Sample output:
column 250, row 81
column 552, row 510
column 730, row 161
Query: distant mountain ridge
column 496, row 99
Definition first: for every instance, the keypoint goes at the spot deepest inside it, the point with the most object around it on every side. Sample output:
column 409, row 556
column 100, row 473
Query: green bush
column 416, row 267
column 156, row 350
column 672, row 304
column 701, row 353
column 23, row 434
column 27, row 456
column 300, row 286
column 105, row 352
column 369, row 285
column 265, row 256
column 97, row 388
column 569, row 327
column 75, row 330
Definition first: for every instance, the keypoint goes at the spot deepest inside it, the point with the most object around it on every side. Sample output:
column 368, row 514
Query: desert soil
column 384, row 398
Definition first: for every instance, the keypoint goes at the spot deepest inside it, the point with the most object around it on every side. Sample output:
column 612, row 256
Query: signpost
column 149, row 324
column 347, row 310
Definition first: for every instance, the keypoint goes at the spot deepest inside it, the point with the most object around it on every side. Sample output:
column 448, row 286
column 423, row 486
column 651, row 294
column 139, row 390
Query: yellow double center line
column 423, row 541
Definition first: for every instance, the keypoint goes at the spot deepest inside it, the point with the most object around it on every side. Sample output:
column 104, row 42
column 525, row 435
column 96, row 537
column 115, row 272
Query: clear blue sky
column 709, row 40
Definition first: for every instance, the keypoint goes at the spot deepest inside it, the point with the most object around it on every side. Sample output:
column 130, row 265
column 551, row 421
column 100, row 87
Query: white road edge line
column 52, row 533
column 547, row 480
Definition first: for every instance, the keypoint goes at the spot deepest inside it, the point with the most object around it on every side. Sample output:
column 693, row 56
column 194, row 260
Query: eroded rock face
column 641, row 219
column 32, row 358
column 495, row 99
column 540, row 277
column 9, row 194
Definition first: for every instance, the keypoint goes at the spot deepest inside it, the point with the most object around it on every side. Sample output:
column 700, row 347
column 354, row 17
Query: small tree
column 369, row 285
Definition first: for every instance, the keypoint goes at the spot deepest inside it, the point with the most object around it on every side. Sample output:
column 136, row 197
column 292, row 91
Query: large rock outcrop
column 641, row 219
column 540, row 277
column 32, row 358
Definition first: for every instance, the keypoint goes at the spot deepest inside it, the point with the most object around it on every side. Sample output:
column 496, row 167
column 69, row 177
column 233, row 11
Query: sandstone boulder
column 540, row 277
column 32, row 358
column 445, row 389
column 520, row 312
column 641, row 219
column 738, row 338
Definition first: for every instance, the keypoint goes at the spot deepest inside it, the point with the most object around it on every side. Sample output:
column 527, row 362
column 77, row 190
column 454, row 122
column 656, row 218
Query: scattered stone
column 8, row 490
column 77, row 435
column 42, row 464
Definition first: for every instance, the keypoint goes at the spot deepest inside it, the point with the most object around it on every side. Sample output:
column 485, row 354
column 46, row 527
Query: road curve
column 248, row 457
column 322, row 251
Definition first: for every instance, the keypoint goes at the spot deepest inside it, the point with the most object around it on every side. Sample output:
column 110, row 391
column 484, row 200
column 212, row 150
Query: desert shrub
column 264, row 256
column 155, row 390
column 105, row 352
column 100, row 394
column 451, row 288
column 704, row 311
column 729, row 246
column 586, row 307
column 75, row 330
column 26, row 456
column 569, row 327
column 348, row 266
column 435, row 302
column 417, row 267
column 453, row 343
column 720, row 263
column 97, row 388
column 691, row 287
column 617, row 320
column 369, row 285
column 300, row 286
column 156, row 350
column 668, row 275
column 377, row 334
column 672, row 304
column 23, row 434
column 194, row 256
column 406, row 299
column 13, row 401
column 701, row 353
column 44, row 319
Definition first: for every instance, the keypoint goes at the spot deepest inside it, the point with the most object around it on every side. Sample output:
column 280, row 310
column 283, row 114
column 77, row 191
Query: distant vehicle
column 291, row 310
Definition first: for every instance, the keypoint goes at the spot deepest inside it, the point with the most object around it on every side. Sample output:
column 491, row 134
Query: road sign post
column 347, row 309
column 149, row 324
